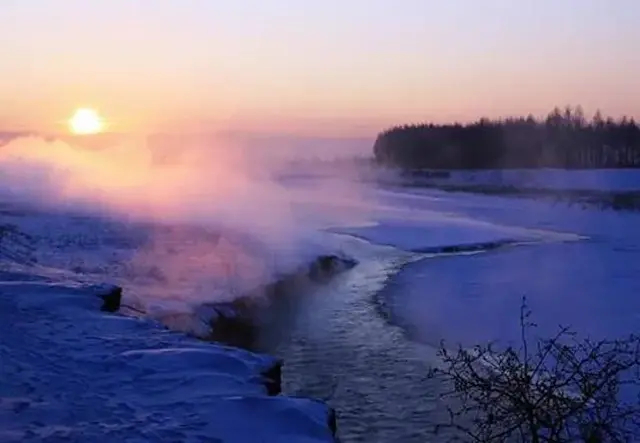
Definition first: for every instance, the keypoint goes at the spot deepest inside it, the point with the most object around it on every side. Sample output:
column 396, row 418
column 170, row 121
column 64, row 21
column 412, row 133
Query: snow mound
column 447, row 234
column 553, row 179
column 163, row 269
column 70, row 372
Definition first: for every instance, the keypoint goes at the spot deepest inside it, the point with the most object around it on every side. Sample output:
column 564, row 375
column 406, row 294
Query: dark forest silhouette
column 565, row 139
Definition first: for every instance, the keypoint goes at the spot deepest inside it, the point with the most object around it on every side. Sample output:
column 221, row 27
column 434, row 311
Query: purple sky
column 347, row 67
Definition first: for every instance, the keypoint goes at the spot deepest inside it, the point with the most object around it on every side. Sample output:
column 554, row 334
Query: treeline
column 564, row 139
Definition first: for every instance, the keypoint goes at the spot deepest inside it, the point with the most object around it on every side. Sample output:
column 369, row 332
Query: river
column 365, row 342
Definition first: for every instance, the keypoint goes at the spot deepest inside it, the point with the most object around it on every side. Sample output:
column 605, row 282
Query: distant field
column 557, row 179
column 608, row 188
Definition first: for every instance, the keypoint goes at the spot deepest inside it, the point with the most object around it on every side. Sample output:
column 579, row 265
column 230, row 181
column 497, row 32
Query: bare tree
column 562, row 389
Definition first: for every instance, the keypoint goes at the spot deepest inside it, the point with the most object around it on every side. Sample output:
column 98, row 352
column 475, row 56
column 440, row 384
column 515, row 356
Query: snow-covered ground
column 453, row 266
column 582, row 272
column 164, row 269
column 69, row 372
column 599, row 180
column 576, row 265
column 448, row 281
column 613, row 180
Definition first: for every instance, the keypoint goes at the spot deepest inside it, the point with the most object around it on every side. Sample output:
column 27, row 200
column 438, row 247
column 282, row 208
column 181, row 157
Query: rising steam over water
column 209, row 223
column 192, row 220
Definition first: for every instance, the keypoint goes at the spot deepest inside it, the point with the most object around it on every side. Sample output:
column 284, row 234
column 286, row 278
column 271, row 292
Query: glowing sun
column 86, row 121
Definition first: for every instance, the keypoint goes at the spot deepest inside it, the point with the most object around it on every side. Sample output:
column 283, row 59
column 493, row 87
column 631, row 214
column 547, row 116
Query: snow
column 69, row 372
column 436, row 235
column 72, row 373
column 418, row 222
column 168, row 272
column 581, row 272
column 557, row 179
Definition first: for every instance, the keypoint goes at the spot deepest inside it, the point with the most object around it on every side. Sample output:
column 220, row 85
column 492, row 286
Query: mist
column 220, row 220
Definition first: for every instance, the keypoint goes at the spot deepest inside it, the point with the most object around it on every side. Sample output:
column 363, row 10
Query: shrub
column 562, row 389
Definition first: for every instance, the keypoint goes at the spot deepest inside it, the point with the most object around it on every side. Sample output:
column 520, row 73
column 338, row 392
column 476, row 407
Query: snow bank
column 168, row 272
column 70, row 372
column 200, row 227
column 613, row 180
column 437, row 236
column 176, row 226
column 417, row 223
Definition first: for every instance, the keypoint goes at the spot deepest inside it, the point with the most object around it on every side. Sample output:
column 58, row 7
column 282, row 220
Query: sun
column 86, row 121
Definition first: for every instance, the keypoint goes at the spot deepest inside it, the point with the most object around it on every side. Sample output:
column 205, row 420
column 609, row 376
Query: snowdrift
column 73, row 372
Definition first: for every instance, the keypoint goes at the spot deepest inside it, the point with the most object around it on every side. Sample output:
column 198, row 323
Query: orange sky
column 312, row 67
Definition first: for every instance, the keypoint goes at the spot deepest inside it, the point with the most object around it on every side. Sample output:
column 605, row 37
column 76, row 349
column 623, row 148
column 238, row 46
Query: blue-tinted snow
column 560, row 179
column 168, row 272
column 590, row 283
column 576, row 266
column 433, row 235
column 71, row 373
column 419, row 222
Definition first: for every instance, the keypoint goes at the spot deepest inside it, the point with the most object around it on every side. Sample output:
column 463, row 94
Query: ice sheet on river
column 432, row 232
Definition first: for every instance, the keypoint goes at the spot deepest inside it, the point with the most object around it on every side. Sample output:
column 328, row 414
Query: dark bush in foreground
column 563, row 389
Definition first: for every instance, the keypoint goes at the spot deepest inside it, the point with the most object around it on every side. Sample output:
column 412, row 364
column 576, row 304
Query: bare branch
column 563, row 389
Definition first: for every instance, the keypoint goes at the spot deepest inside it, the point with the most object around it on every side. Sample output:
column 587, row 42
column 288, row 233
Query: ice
column 583, row 272
column 163, row 269
column 72, row 373
column 422, row 222
column 437, row 235
column 559, row 179
column 69, row 372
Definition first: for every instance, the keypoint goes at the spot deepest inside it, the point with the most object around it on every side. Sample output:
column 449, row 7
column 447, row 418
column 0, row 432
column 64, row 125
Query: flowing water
column 365, row 342
column 340, row 349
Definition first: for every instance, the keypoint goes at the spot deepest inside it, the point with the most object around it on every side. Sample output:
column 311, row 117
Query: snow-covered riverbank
column 70, row 372
column 431, row 265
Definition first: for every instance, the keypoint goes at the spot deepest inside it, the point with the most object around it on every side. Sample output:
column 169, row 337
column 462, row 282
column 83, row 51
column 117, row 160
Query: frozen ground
column 452, row 267
column 583, row 273
column 164, row 269
column 423, row 222
column 552, row 179
column 71, row 373
column 366, row 344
